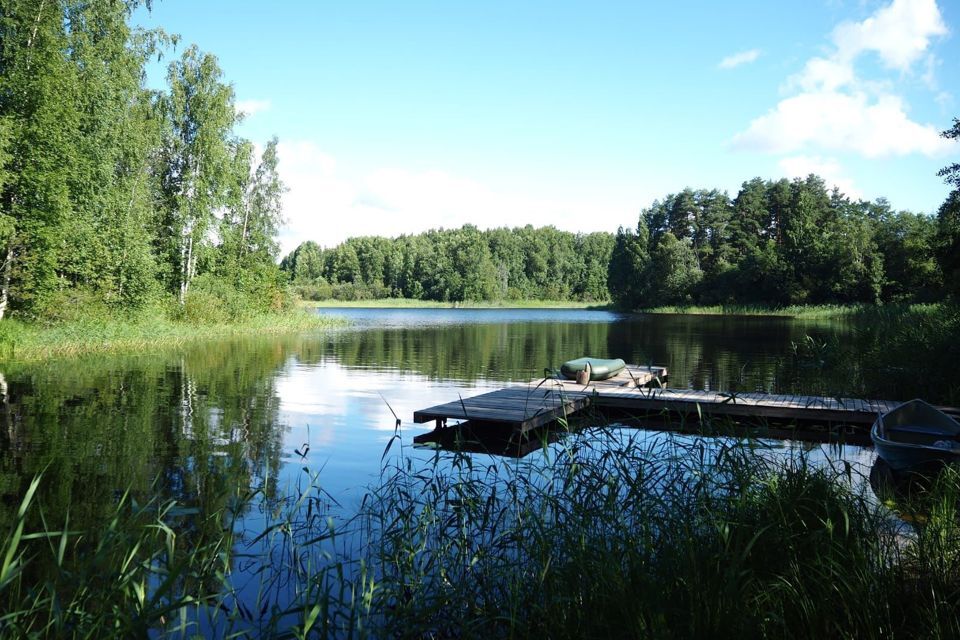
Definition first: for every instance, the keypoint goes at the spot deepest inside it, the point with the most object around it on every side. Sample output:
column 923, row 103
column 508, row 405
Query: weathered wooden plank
column 524, row 408
column 541, row 401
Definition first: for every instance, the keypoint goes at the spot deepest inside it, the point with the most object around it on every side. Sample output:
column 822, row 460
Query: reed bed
column 608, row 533
column 818, row 311
column 31, row 342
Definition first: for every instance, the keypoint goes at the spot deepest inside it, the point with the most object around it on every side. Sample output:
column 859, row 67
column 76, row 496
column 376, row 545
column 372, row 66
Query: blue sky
column 398, row 117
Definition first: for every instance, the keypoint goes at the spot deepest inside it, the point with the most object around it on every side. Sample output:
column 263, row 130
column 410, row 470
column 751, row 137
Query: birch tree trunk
column 186, row 269
column 7, row 268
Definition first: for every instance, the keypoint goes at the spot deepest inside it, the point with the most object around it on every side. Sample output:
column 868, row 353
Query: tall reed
column 607, row 533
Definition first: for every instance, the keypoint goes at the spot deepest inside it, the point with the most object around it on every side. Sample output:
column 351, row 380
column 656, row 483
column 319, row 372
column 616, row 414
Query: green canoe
column 600, row 369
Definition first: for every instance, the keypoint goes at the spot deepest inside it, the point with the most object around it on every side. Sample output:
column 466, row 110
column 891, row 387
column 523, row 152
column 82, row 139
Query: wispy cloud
column 737, row 59
column 252, row 107
column 833, row 109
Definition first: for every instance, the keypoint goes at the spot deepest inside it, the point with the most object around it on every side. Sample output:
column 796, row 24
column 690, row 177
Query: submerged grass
column 610, row 533
column 28, row 342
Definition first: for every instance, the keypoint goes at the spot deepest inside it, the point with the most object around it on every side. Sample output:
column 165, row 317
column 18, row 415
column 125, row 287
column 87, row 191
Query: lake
column 98, row 425
column 199, row 423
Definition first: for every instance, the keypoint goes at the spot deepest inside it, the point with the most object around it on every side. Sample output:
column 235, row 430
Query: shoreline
column 23, row 342
column 759, row 311
column 411, row 303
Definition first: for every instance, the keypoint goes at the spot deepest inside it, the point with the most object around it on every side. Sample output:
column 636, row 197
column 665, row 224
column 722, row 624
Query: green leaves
column 108, row 189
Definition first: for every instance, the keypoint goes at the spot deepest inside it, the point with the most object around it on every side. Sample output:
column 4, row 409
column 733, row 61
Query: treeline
column 778, row 243
column 115, row 196
column 456, row 265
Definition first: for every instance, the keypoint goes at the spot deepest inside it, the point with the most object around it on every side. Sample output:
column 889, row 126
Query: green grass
column 28, row 342
column 609, row 534
column 401, row 303
column 795, row 311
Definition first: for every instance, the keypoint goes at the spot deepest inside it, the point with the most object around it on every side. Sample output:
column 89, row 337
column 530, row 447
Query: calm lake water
column 256, row 412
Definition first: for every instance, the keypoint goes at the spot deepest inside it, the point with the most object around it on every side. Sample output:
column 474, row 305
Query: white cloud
column 822, row 74
column 252, row 107
column 737, row 59
column 827, row 168
column 327, row 206
column 834, row 109
column 841, row 122
column 899, row 33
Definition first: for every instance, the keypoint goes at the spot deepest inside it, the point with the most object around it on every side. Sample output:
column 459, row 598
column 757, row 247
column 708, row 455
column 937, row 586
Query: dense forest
column 776, row 243
column 783, row 242
column 456, row 265
column 115, row 196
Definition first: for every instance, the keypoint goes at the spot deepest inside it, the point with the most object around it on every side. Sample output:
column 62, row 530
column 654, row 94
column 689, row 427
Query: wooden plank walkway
column 777, row 407
column 524, row 407
column 639, row 392
column 528, row 406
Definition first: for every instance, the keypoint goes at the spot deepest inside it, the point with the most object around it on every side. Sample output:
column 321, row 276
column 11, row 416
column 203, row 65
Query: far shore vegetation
column 776, row 244
column 409, row 303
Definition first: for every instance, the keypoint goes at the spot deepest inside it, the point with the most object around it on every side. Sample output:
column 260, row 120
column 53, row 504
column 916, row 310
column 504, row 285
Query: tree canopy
column 458, row 264
column 111, row 193
column 778, row 243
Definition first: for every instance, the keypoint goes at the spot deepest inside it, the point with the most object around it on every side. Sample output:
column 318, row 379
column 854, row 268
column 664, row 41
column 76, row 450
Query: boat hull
column 916, row 435
column 600, row 368
column 904, row 459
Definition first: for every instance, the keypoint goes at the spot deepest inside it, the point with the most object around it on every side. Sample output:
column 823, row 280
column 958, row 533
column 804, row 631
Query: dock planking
column 528, row 406
column 639, row 390
column 523, row 408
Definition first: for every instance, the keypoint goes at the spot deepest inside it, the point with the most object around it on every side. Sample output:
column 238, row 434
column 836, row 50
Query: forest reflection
column 200, row 424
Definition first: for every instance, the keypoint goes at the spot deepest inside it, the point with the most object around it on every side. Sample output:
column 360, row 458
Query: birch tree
column 250, row 224
column 195, row 162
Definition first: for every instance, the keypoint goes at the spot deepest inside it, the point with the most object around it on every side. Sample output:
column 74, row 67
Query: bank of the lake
column 29, row 342
column 411, row 303
column 805, row 311
column 793, row 311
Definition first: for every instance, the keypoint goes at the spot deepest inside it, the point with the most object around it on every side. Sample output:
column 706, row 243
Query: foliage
column 948, row 240
column 628, row 269
column 455, row 265
column 951, row 173
column 779, row 243
column 110, row 191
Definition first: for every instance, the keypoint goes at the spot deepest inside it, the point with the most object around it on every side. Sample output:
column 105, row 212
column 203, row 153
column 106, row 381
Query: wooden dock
column 639, row 392
column 528, row 406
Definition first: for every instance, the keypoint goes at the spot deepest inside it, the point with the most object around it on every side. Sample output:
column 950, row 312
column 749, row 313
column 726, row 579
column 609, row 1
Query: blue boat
column 916, row 435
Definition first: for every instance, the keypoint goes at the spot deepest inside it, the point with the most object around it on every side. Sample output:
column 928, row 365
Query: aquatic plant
column 607, row 533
